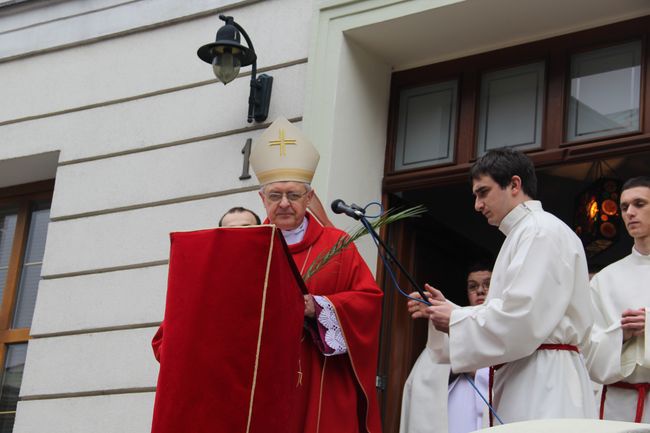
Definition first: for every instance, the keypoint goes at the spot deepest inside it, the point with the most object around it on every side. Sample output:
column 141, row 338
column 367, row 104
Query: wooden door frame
column 397, row 328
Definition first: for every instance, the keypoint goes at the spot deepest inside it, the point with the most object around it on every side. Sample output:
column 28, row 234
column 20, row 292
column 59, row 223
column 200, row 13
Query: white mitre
column 283, row 153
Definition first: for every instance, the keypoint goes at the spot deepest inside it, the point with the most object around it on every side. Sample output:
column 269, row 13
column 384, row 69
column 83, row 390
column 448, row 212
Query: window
column 427, row 125
column 605, row 92
column 24, row 218
column 559, row 99
column 511, row 108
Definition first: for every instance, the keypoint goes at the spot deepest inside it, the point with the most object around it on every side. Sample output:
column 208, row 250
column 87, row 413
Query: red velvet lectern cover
column 229, row 360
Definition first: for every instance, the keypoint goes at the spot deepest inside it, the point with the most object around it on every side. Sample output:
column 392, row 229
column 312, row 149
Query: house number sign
column 246, row 151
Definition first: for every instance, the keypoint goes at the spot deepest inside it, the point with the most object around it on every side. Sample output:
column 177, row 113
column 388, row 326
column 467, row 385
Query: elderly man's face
column 478, row 285
column 286, row 203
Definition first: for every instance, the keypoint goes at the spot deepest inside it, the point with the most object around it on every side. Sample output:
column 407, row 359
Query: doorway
column 438, row 247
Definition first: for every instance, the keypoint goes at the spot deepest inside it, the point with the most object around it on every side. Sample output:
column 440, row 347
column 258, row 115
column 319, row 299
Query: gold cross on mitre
column 282, row 142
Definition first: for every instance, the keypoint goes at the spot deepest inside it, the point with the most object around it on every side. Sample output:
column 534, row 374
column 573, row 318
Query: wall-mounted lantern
column 227, row 55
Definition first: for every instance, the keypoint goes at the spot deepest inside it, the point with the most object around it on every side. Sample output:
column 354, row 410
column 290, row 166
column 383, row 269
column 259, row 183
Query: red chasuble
column 338, row 392
column 230, row 359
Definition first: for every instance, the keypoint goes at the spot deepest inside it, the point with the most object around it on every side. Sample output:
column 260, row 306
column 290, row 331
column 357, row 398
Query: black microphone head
column 335, row 205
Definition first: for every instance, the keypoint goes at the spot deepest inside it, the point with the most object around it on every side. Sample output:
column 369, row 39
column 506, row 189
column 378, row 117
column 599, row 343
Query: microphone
column 353, row 211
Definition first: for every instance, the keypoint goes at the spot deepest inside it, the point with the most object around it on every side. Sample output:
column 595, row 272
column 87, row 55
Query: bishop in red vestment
column 338, row 390
column 340, row 342
column 342, row 313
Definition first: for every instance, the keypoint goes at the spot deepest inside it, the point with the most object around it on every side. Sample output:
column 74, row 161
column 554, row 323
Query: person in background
column 434, row 399
column 239, row 216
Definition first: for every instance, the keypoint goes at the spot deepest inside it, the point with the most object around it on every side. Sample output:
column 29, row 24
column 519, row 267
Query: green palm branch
column 388, row 217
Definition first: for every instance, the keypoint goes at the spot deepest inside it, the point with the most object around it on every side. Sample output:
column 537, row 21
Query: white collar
column 517, row 213
column 643, row 258
column 296, row 235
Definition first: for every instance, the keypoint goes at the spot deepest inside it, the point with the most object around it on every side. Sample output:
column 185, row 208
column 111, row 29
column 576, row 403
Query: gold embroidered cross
column 282, row 142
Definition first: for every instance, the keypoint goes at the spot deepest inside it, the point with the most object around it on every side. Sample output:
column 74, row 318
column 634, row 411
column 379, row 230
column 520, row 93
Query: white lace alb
column 333, row 335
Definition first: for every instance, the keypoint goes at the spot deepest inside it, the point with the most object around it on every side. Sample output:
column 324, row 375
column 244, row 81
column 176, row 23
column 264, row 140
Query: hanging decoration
column 597, row 220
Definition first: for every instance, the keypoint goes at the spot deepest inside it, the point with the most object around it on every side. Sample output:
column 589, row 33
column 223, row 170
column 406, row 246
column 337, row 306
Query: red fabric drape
column 229, row 360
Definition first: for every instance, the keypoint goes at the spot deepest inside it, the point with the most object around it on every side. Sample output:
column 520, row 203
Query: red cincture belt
column 494, row 368
column 640, row 388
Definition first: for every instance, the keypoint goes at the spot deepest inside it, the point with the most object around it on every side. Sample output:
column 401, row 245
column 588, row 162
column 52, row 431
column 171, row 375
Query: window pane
column 3, row 281
column 427, row 125
column 12, row 376
column 37, row 233
column 27, row 291
column 511, row 108
column 7, row 230
column 31, row 272
column 605, row 89
column 7, row 422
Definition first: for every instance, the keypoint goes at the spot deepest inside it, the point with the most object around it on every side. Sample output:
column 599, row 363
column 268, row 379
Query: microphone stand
column 379, row 242
column 391, row 256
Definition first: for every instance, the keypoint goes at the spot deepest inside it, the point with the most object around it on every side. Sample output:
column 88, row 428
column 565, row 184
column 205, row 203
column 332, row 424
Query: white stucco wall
column 109, row 97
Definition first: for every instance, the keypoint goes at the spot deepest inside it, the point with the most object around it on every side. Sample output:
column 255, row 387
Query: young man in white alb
column 535, row 320
column 619, row 355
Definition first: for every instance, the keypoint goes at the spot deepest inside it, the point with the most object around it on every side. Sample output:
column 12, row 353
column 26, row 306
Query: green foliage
column 388, row 217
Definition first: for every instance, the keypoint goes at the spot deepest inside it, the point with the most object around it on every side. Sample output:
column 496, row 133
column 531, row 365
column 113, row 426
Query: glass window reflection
column 605, row 92
column 12, row 375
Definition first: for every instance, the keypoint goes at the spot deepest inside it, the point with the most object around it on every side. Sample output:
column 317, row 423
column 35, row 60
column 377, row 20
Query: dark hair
column 239, row 209
column 502, row 164
column 594, row 268
column 480, row 265
column 634, row 182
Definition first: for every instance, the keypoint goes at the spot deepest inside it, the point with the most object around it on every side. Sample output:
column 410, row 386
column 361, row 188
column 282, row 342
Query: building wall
column 108, row 97
column 111, row 99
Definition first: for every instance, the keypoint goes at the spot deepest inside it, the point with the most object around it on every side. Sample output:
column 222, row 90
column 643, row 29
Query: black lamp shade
column 227, row 41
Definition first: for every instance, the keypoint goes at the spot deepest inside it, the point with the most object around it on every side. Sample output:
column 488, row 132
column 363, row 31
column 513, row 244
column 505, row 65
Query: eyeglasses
column 291, row 196
column 473, row 286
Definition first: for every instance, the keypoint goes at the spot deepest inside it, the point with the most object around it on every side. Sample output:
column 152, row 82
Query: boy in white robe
column 535, row 320
column 620, row 355
column 432, row 400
